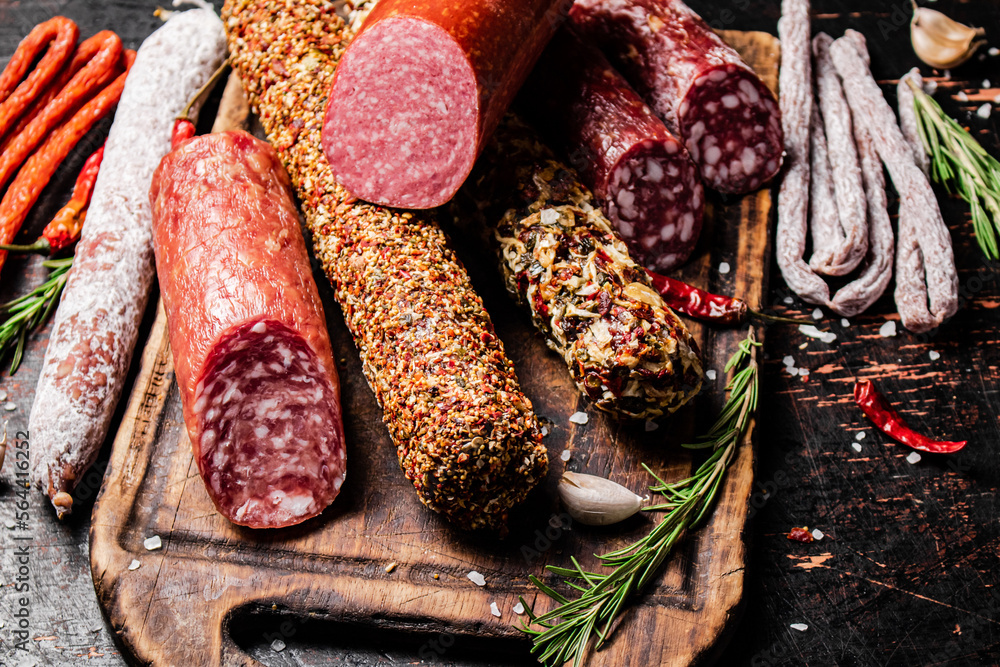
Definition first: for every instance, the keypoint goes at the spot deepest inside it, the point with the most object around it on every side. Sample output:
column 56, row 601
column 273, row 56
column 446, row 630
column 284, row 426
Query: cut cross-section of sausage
column 640, row 172
column 728, row 119
column 252, row 355
column 422, row 87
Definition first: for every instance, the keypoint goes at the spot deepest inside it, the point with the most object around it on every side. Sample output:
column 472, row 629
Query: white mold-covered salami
column 824, row 225
column 97, row 322
column 926, row 278
column 908, row 118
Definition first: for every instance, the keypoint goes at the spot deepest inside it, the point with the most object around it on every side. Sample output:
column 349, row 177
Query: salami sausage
column 251, row 352
column 466, row 436
column 908, row 122
column 97, row 322
column 795, row 81
column 640, row 173
column 421, row 89
column 627, row 351
column 824, row 225
column 926, row 278
column 728, row 119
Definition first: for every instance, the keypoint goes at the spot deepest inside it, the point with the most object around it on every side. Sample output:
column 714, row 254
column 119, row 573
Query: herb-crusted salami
column 466, row 436
column 560, row 257
column 251, row 352
column 422, row 87
column 97, row 322
column 641, row 173
column 728, row 119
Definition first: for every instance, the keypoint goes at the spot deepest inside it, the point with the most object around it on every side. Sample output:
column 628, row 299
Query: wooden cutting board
column 377, row 557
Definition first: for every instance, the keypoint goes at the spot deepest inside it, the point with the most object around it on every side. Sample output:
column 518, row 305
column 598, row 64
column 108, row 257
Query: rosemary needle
column 28, row 312
column 963, row 166
column 565, row 632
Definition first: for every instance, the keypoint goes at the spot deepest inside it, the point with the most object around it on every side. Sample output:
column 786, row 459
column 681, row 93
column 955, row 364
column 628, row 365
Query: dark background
column 907, row 572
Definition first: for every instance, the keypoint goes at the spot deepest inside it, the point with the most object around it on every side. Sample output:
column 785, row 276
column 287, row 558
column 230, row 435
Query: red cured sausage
column 641, row 173
column 421, row 89
column 251, row 352
column 728, row 119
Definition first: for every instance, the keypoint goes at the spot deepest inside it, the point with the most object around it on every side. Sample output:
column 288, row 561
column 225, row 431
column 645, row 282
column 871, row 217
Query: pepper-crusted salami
column 795, row 82
column 926, row 279
column 251, row 352
column 626, row 349
column 643, row 176
column 844, row 251
column 421, row 89
column 728, row 119
column 466, row 436
column 97, row 322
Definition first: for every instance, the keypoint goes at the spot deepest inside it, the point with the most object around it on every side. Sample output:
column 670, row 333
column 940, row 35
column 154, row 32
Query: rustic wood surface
column 907, row 572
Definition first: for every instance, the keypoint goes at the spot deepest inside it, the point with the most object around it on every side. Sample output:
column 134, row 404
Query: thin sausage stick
column 824, row 224
column 926, row 295
column 908, row 118
column 795, row 83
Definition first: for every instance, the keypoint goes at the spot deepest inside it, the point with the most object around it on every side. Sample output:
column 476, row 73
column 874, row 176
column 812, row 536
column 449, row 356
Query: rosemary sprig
column 963, row 166
column 565, row 632
column 28, row 312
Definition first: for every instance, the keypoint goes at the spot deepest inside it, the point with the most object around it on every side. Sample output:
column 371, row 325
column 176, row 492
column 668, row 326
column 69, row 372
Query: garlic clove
column 596, row 501
column 940, row 41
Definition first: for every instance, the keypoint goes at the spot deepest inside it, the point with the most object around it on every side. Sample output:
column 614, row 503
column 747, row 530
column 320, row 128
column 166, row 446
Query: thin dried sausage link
column 59, row 35
column 84, row 83
column 27, row 186
column 466, row 436
column 908, row 118
column 928, row 296
column 627, row 351
column 795, row 83
column 824, row 224
column 838, row 259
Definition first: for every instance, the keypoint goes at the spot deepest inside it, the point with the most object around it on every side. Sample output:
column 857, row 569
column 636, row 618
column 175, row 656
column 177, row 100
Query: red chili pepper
column 36, row 172
column 801, row 535
column 94, row 75
column 184, row 127
column 58, row 35
column 885, row 417
column 701, row 305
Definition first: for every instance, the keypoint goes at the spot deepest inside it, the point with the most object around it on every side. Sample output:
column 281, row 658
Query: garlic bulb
column 596, row 501
column 940, row 41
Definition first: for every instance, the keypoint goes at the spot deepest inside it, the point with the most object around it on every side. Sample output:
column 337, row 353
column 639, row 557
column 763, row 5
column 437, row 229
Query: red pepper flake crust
column 466, row 436
column 561, row 258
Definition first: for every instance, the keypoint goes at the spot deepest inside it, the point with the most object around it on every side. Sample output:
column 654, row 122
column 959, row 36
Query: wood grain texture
column 373, row 556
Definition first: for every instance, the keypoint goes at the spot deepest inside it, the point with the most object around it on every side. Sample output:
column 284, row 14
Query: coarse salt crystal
column 984, row 111
column 817, row 534
column 913, row 458
column 803, row 372
column 856, row 446
column 930, row 87
column 277, row 646
column 518, row 608
column 961, row 96
column 813, row 332
column 792, row 370
column 494, row 609
column 9, row 407
column 844, row 322
column 3, row 395
column 651, row 426
column 152, row 543
column 545, row 431
column 565, row 455
column 861, row 435
column 801, row 627
column 724, row 268
column 994, row 51
column 947, row 74
column 579, row 418
column 788, row 300
column 788, row 360
column 986, row 83
column 996, row 100
column 934, row 355
column 711, row 375
column 134, row 565
column 476, row 578
column 818, row 314
column 888, row 329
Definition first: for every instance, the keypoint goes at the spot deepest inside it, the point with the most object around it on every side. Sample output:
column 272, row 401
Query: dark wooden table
column 908, row 570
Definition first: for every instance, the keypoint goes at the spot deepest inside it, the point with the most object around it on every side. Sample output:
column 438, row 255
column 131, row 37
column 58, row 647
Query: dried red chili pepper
column 91, row 77
column 58, row 35
column 36, row 172
column 184, row 127
column 702, row 305
column 65, row 227
column 801, row 534
column 885, row 417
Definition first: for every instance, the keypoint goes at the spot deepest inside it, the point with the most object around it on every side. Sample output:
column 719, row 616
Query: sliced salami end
column 732, row 128
column 401, row 126
column 656, row 201
column 271, row 447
